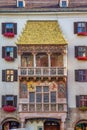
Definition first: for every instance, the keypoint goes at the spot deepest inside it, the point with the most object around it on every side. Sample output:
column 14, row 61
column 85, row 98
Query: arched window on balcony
column 42, row 60
column 27, row 60
column 56, row 60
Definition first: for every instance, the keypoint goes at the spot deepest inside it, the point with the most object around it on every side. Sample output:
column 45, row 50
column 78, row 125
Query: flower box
column 82, row 57
column 9, row 108
column 9, row 34
column 82, row 33
column 83, row 108
column 7, row 58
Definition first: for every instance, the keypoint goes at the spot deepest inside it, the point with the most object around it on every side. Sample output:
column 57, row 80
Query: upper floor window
column 9, row 75
column 81, row 100
column 20, row 3
column 9, row 100
column 9, row 53
column 63, row 3
column 81, row 75
column 81, row 52
column 9, row 29
column 80, row 28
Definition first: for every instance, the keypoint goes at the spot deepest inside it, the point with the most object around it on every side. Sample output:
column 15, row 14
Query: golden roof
column 41, row 32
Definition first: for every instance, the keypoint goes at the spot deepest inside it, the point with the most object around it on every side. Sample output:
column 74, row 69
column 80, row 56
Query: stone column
column 49, row 60
column 22, row 123
column 34, row 56
column 62, row 127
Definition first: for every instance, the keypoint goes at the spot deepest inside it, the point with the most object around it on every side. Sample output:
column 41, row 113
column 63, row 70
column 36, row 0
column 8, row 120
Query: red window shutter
column 3, row 28
column 77, row 101
column 75, row 27
column 3, row 52
column 15, row 28
column 76, row 51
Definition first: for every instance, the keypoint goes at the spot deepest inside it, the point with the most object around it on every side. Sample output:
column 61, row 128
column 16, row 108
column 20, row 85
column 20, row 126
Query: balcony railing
column 42, row 71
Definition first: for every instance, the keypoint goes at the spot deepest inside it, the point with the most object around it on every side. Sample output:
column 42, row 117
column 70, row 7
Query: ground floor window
column 81, row 125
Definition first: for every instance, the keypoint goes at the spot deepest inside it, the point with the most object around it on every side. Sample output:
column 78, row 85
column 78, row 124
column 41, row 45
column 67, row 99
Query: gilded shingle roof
column 41, row 32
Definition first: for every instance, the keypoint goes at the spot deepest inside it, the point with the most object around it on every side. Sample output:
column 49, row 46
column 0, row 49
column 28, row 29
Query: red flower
column 8, row 58
column 82, row 33
column 9, row 108
column 9, row 34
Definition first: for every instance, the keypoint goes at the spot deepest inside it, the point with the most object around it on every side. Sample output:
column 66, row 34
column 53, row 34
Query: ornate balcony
column 42, row 71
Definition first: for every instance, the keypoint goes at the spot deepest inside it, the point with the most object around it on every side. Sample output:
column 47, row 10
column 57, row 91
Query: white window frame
column 67, row 2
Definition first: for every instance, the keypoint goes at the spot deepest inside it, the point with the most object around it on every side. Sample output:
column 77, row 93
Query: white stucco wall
column 66, row 24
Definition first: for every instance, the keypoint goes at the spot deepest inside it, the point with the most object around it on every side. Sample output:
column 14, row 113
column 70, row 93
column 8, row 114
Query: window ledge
column 82, row 33
column 9, row 59
column 9, row 108
column 9, row 35
column 83, row 108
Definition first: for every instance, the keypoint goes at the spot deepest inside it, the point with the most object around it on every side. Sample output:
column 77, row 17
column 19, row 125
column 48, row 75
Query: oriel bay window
column 81, row 75
column 9, row 53
column 81, row 52
column 80, row 28
column 9, row 29
column 9, row 75
column 43, row 98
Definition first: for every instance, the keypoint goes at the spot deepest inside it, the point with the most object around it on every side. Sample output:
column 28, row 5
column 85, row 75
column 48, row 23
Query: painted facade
column 43, row 66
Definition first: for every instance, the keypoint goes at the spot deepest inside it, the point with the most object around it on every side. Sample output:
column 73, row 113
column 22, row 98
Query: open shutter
column 76, row 51
column 3, row 28
column 15, row 52
column 15, row 75
column 3, row 52
column 75, row 27
column 15, row 101
column 3, row 100
column 3, row 75
column 77, row 101
column 76, row 75
column 15, row 28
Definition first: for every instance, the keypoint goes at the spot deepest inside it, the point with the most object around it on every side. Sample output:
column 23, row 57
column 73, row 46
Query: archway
column 10, row 123
column 81, row 125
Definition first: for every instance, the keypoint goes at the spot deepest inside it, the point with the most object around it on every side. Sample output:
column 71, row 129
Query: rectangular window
column 80, row 27
column 40, row 128
column 31, row 97
column 9, row 52
column 64, row 4
column 9, row 100
column 20, row 4
column 9, row 75
column 81, row 100
column 9, row 28
column 81, row 75
column 53, row 97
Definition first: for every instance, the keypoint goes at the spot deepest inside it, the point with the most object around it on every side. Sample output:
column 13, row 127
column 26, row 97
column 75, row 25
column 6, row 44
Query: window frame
column 76, row 27
column 81, row 75
column 81, row 102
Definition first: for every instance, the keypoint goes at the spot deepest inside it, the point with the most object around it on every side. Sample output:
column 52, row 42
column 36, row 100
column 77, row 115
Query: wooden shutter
column 15, row 75
column 75, row 27
column 15, row 52
column 15, row 28
column 86, row 26
column 76, row 51
column 76, row 75
column 3, row 75
column 3, row 100
column 15, row 101
column 77, row 101
column 3, row 27
column 3, row 52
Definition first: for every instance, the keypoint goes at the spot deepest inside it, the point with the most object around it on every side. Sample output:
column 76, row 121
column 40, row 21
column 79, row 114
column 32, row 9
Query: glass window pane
column 31, row 97
column 46, row 88
column 53, row 97
column 46, row 97
column 38, row 89
column 38, row 97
